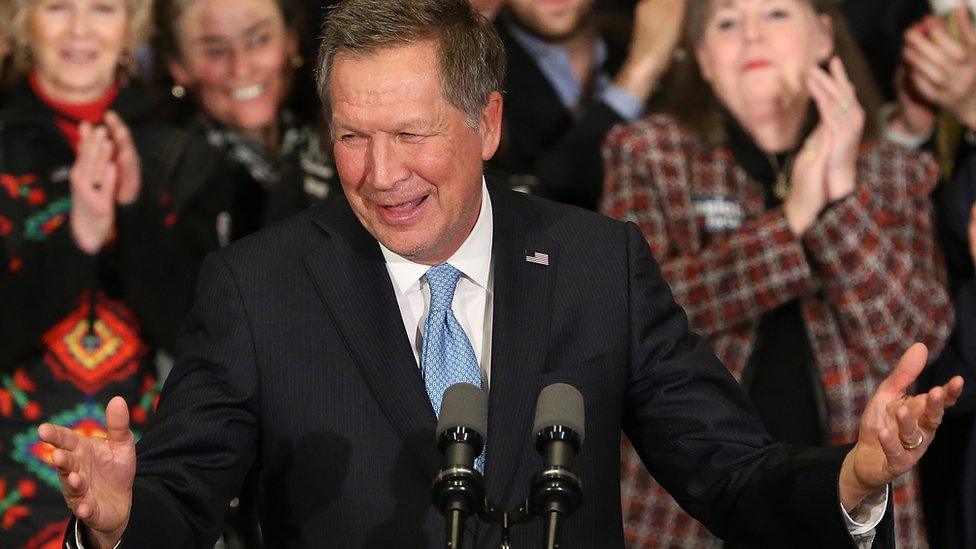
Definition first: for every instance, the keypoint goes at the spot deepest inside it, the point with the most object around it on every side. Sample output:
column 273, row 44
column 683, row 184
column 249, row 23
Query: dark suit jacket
column 949, row 466
column 296, row 365
column 545, row 148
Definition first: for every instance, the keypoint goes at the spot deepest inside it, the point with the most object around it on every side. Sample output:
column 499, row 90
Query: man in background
column 568, row 83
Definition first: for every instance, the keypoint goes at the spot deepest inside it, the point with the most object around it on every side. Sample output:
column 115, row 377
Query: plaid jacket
column 868, row 275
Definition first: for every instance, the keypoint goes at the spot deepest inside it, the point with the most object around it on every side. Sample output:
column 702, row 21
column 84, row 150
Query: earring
column 297, row 62
column 177, row 91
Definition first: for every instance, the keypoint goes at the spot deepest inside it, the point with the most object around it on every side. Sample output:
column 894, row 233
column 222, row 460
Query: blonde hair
column 17, row 11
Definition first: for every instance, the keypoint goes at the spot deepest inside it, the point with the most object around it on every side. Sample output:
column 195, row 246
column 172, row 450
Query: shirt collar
column 536, row 47
column 554, row 63
column 473, row 258
column 539, row 48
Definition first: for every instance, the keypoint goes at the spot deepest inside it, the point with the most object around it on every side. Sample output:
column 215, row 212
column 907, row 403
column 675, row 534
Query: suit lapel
column 350, row 275
column 521, row 309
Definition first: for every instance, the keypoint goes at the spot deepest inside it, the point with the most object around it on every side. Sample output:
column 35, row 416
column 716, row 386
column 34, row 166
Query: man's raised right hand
column 97, row 473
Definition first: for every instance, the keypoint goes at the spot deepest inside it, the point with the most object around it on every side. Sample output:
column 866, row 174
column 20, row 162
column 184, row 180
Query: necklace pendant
column 782, row 187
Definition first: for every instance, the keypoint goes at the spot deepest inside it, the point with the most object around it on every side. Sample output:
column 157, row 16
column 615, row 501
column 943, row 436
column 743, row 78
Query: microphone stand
column 456, row 490
column 552, row 531
column 555, row 491
column 454, row 533
column 493, row 515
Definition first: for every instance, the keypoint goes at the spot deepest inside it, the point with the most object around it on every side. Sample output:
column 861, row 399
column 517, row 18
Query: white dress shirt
column 472, row 303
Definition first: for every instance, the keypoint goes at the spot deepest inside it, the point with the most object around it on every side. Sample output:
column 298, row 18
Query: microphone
column 458, row 490
column 559, row 429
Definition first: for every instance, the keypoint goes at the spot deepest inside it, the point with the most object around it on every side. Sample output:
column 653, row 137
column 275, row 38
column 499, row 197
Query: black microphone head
column 463, row 405
column 559, row 404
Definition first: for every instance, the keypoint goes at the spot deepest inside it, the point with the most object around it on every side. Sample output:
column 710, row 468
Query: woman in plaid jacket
column 801, row 247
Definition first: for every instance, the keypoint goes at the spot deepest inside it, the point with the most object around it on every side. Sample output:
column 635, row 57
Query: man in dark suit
column 936, row 109
column 568, row 82
column 949, row 470
column 308, row 363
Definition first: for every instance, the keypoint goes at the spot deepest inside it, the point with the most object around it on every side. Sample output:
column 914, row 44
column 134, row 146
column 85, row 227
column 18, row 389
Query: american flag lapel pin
column 538, row 258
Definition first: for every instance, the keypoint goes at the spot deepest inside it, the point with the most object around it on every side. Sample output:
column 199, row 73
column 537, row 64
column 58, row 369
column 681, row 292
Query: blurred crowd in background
column 804, row 172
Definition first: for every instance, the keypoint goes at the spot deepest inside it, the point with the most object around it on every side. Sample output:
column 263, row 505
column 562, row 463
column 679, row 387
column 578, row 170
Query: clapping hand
column 808, row 194
column 940, row 69
column 93, row 180
column 896, row 428
column 126, row 160
column 826, row 166
column 106, row 172
column 97, row 473
column 842, row 118
column 915, row 115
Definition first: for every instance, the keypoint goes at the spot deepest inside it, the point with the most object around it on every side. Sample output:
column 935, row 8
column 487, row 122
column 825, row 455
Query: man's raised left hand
column 896, row 429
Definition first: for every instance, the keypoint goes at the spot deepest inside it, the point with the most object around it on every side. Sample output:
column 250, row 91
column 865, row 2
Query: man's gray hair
column 471, row 54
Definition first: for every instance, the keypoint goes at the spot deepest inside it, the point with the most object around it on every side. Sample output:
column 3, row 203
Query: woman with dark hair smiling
column 799, row 245
column 232, row 66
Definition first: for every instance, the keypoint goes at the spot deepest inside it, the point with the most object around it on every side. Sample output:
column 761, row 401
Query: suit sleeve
column 959, row 355
column 884, row 275
column 697, row 434
column 729, row 280
column 203, row 441
column 958, row 358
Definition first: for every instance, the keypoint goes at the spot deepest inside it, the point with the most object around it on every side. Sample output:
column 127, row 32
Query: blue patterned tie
column 446, row 355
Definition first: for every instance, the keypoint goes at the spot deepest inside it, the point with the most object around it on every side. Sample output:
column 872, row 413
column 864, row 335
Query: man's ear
column 490, row 125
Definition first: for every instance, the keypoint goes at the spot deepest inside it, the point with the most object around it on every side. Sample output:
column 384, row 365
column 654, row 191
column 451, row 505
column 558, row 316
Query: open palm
column 97, row 473
column 896, row 428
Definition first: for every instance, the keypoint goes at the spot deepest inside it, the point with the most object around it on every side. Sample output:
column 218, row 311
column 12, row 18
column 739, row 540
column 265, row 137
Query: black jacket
column 949, row 467
column 545, row 148
column 297, row 368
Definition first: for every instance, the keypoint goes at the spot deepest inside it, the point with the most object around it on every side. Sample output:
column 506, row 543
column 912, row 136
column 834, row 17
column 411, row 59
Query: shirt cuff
column 624, row 104
column 895, row 136
column 862, row 521
column 81, row 545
